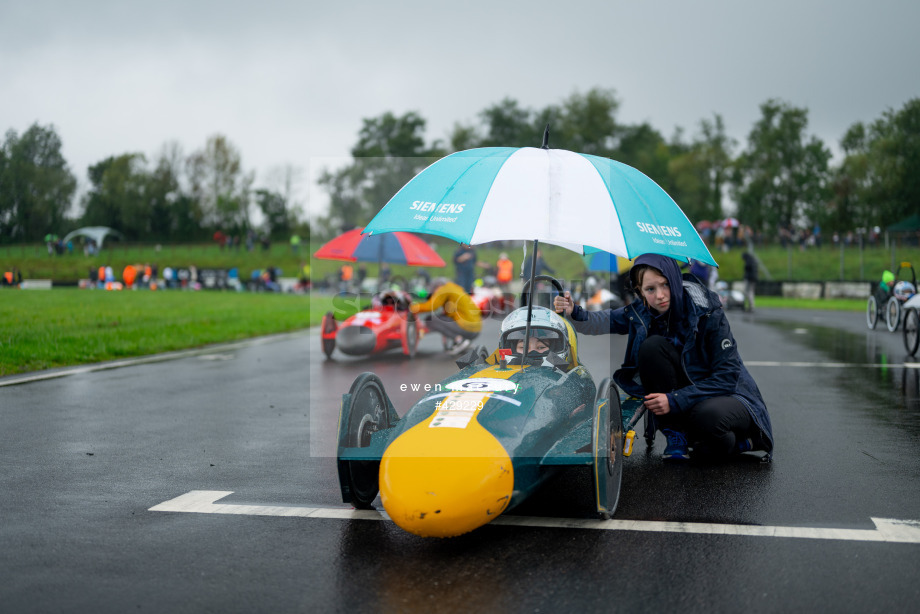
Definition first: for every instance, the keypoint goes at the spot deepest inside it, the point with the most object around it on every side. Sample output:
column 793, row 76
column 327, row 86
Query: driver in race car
column 459, row 319
column 395, row 299
column 535, row 345
column 549, row 332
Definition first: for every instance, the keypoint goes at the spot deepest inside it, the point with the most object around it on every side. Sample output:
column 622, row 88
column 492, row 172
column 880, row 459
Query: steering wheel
column 525, row 291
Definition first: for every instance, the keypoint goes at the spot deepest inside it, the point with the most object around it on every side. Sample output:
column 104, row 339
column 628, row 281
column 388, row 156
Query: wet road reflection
column 878, row 376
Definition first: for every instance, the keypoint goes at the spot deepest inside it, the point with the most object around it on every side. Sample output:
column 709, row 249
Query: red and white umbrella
column 393, row 248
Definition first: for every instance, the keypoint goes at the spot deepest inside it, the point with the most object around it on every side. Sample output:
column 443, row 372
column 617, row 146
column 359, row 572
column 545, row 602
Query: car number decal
column 481, row 384
column 457, row 410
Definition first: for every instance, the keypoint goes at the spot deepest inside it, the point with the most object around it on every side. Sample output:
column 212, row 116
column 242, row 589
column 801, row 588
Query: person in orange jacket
column 457, row 318
column 505, row 271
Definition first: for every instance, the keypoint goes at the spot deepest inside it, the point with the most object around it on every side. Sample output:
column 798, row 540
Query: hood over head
column 671, row 271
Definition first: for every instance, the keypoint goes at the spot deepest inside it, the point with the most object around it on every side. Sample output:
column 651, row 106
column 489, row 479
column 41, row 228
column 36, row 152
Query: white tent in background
column 96, row 233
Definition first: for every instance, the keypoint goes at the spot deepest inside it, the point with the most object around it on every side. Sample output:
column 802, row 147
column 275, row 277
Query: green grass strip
column 58, row 328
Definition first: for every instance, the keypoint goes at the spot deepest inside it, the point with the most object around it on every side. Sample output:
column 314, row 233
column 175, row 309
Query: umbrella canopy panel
column 392, row 248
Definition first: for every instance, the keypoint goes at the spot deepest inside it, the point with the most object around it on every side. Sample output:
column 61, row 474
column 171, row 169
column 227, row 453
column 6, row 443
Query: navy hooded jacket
column 708, row 350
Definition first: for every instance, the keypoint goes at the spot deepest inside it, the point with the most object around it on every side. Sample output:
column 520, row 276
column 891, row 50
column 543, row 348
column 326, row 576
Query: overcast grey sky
column 289, row 82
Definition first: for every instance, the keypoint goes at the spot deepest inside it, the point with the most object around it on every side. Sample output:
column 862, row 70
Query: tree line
column 780, row 178
column 174, row 197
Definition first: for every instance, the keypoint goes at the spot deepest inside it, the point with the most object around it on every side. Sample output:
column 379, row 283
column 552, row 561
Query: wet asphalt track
column 84, row 457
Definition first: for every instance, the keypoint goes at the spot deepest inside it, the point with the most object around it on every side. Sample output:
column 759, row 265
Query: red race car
column 492, row 301
column 387, row 325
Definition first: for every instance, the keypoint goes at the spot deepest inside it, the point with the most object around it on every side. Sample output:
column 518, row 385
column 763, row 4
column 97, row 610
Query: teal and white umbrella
column 578, row 201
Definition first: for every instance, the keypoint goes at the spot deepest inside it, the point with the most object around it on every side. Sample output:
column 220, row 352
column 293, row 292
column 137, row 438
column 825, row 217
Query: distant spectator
column 750, row 278
column 465, row 267
column 701, row 270
column 169, row 277
column 346, row 272
column 11, row 278
column 541, row 266
column 147, row 276
column 270, row 279
column 295, row 244
column 305, row 274
column 504, row 271
column 233, row 280
column 129, row 275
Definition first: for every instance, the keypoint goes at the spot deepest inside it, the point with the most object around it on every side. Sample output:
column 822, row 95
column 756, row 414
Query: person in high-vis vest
column 457, row 318
column 505, row 271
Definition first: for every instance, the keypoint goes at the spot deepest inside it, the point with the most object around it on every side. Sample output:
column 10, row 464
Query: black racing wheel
column 911, row 332
column 607, row 448
column 329, row 325
column 365, row 410
column 525, row 291
column 872, row 312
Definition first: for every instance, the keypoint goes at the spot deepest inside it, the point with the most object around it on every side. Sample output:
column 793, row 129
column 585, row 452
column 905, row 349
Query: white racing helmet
column 904, row 290
column 545, row 325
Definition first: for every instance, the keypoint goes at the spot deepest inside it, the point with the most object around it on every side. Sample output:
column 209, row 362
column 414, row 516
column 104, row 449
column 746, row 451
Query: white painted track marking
column 886, row 529
column 209, row 354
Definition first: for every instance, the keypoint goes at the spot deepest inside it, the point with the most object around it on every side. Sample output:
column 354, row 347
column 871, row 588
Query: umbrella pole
column 533, row 274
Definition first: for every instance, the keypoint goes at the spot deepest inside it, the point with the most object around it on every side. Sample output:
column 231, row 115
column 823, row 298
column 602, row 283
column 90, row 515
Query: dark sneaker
column 677, row 448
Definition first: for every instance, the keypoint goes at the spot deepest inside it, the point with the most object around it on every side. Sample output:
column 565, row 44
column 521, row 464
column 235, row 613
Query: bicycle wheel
column 872, row 312
column 893, row 313
column 911, row 332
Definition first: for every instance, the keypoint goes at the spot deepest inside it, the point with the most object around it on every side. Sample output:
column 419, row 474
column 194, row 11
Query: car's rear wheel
column 911, row 330
column 872, row 312
column 328, row 326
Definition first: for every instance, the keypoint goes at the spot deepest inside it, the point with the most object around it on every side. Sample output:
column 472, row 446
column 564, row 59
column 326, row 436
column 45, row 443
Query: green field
column 827, row 263
column 42, row 329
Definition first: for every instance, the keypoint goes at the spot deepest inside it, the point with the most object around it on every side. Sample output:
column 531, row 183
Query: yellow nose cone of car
column 446, row 475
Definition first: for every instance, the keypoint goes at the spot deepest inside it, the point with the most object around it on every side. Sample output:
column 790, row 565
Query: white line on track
column 832, row 365
column 886, row 529
column 209, row 354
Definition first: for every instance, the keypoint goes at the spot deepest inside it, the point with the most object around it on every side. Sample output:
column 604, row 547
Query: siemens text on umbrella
column 420, row 205
column 669, row 231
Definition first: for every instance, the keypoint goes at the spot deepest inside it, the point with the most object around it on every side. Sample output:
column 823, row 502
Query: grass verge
column 66, row 327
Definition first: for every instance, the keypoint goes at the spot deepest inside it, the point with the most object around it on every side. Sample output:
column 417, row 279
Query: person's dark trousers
column 713, row 426
column 446, row 325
